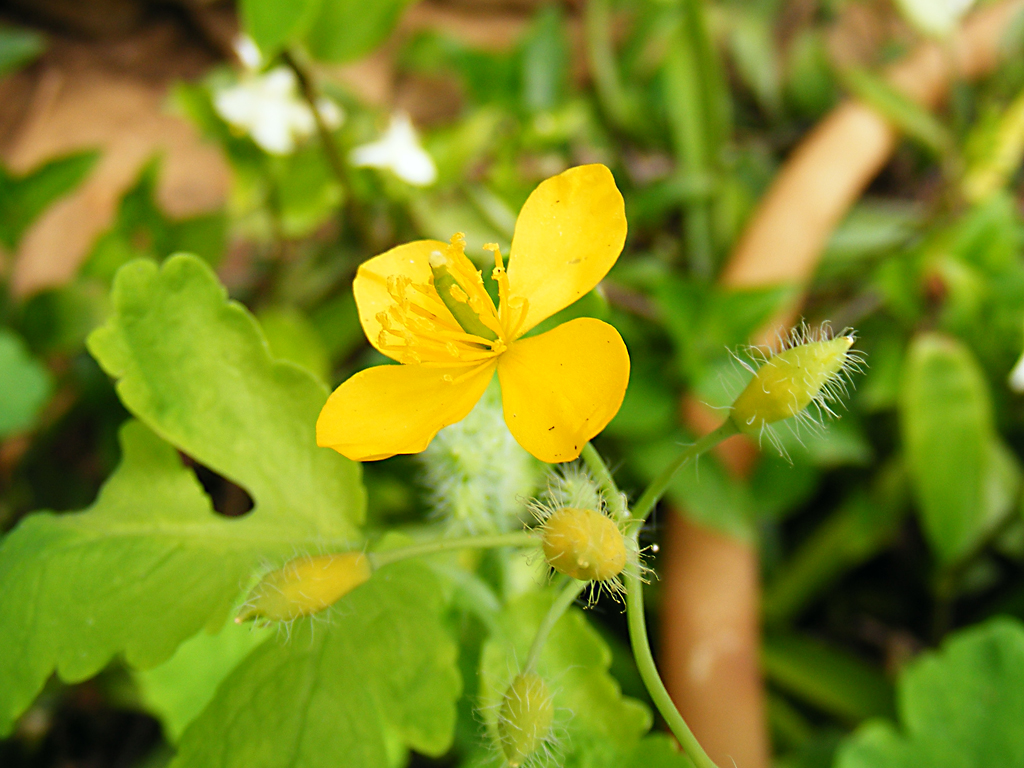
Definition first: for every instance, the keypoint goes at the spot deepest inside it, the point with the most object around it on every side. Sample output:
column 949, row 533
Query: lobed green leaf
column 960, row 707
column 383, row 667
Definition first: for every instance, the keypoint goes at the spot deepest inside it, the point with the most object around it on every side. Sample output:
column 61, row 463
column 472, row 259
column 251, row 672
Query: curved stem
column 660, row 484
column 604, row 478
column 517, row 539
column 565, row 598
column 652, row 680
column 326, row 137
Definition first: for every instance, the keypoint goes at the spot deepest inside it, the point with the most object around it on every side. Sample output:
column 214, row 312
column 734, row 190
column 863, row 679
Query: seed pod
column 305, row 585
column 790, row 381
column 525, row 717
column 583, row 544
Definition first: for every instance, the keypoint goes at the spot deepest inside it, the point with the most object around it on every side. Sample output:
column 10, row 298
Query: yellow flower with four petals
column 424, row 305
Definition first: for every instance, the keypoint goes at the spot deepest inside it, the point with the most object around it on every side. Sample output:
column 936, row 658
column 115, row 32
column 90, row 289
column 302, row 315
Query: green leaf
column 25, row 384
column 591, row 714
column 346, row 29
column 293, row 337
column 148, row 565
column 544, row 60
column 23, row 198
column 17, row 47
column 272, row 24
column 180, row 688
column 195, row 368
column 960, row 473
column 308, row 193
column 960, row 707
column 906, row 115
column 334, row 695
column 826, row 677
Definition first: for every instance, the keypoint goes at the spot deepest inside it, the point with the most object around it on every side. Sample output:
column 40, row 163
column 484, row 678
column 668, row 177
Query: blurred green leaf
column 960, row 474
column 826, row 677
column 383, row 669
column 180, row 688
column 906, row 115
column 273, row 24
column 292, row 337
column 753, row 48
column 343, row 30
column 862, row 525
column 960, row 707
column 810, row 82
column 308, row 193
column 18, row 47
column 142, row 230
column 25, row 384
column 544, row 58
column 23, row 198
column 994, row 150
column 702, row 490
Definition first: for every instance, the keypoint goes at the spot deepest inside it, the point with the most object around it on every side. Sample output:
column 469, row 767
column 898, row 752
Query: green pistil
column 465, row 316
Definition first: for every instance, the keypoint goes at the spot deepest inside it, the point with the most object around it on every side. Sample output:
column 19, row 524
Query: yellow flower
column 424, row 305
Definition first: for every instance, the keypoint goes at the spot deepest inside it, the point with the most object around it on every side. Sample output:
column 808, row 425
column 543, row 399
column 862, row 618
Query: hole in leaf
column 228, row 498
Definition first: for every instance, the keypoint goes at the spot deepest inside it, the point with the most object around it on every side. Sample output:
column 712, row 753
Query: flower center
column 418, row 327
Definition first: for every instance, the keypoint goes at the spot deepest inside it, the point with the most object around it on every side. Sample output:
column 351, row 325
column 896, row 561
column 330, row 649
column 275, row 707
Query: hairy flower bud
column 583, row 544
column 808, row 370
column 305, row 585
column 525, row 718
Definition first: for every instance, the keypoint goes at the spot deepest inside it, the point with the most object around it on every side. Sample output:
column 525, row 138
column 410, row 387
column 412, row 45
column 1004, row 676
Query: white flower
column 1017, row 376
column 935, row 17
column 269, row 109
column 399, row 151
column 248, row 52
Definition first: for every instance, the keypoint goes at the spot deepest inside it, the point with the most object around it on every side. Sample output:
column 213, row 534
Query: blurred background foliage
column 878, row 538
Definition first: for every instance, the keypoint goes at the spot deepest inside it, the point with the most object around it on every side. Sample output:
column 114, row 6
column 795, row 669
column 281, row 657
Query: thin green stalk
column 565, row 598
column 652, row 680
column 517, row 539
column 326, row 137
column 634, row 591
column 660, row 484
column 604, row 478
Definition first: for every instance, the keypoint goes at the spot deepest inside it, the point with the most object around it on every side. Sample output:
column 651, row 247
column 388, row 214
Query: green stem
column 660, row 484
column 649, row 674
column 565, row 598
column 326, row 137
column 600, row 471
column 517, row 539
column 634, row 591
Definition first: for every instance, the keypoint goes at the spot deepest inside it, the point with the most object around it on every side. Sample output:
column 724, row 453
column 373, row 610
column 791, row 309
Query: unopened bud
column 583, row 544
column 305, row 585
column 788, row 382
column 525, row 718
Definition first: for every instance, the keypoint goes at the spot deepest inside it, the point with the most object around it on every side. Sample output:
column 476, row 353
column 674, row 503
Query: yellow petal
column 370, row 287
column 568, row 235
column 561, row 388
column 393, row 409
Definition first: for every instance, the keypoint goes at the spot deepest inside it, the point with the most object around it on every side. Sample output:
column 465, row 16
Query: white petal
column 275, row 136
column 398, row 150
column 330, row 112
column 236, row 104
column 247, row 52
column 1017, row 376
column 935, row 17
column 416, row 166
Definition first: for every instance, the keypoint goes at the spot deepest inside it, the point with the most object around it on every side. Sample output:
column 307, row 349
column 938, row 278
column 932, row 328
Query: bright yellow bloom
column 559, row 388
